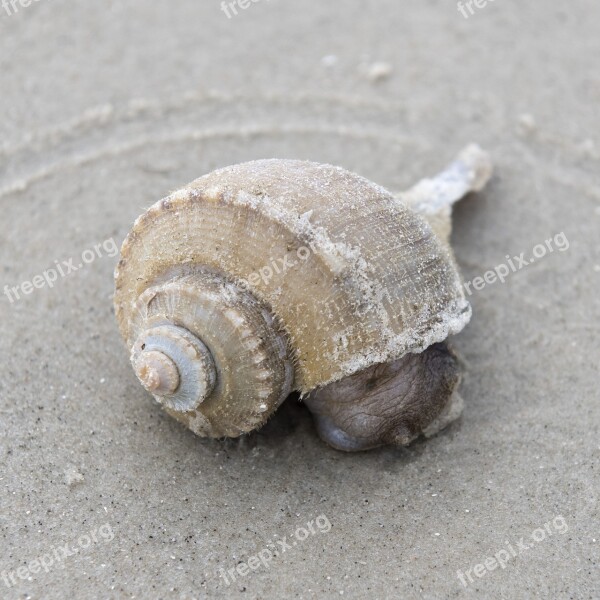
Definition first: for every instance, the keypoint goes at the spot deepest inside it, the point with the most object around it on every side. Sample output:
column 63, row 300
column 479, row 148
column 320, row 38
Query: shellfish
column 275, row 276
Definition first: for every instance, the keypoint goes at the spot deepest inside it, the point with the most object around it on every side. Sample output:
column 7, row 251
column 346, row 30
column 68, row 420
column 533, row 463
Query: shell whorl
column 210, row 353
column 373, row 283
column 171, row 362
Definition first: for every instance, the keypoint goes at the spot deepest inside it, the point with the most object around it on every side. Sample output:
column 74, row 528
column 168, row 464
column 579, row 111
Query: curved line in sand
column 195, row 136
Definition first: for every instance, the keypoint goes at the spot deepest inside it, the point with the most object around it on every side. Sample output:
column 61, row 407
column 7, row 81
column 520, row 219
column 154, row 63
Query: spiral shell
column 277, row 275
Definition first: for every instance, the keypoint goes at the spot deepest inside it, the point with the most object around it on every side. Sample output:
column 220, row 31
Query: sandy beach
column 107, row 108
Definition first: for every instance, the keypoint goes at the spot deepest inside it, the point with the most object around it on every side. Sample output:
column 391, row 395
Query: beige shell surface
column 351, row 274
column 253, row 373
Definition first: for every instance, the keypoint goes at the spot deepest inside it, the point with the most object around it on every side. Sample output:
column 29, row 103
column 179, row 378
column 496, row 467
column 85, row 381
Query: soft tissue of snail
column 362, row 292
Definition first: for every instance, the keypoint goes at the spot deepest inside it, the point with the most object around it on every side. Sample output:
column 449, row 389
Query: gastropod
column 275, row 276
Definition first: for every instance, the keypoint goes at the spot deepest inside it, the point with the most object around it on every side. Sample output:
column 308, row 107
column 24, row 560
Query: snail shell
column 278, row 275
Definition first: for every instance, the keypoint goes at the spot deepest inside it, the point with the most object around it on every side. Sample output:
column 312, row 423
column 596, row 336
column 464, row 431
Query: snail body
column 278, row 275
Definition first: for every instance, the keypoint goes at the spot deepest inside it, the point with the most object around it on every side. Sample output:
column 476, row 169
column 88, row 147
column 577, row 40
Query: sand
column 107, row 107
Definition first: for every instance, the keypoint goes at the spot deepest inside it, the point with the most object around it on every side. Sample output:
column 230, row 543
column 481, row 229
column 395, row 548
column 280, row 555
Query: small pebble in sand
column 379, row 71
column 73, row 476
column 588, row 148
column 526, row 124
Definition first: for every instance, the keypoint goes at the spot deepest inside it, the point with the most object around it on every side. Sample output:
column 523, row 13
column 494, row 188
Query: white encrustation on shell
column 278, row 275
